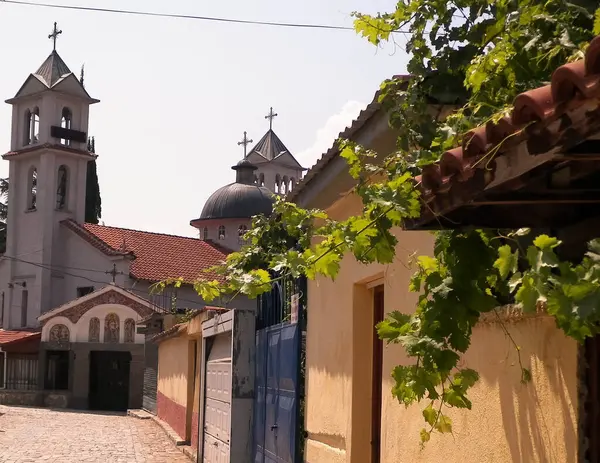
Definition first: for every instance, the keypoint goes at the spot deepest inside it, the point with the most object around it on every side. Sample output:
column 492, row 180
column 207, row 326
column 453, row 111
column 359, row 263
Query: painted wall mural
column 112, row 328
column 94, row 332
column 59, row 333
column 129, row 330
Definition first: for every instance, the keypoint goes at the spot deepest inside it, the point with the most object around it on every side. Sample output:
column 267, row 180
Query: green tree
column 3, row 213
column 477, row 55
column 93, row 201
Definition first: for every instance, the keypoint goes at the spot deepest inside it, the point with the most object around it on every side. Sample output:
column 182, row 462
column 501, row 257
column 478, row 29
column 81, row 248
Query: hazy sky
column 176, row 95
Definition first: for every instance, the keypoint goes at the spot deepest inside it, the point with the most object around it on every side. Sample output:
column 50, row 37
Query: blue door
column 275, row 414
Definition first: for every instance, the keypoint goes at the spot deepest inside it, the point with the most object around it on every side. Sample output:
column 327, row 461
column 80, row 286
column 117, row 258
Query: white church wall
column 86, row 266
column 27, row 224
column 231, row 240
column 82, row 328
column 79, row 332
column 274, row 170
column 187, row 297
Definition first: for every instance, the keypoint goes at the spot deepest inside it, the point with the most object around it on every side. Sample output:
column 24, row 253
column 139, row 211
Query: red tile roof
column 540, row 117
column 156, row 256
column 13, row 336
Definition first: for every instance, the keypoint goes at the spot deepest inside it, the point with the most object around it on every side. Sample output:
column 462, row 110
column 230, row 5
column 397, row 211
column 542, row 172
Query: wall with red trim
column 172, row 413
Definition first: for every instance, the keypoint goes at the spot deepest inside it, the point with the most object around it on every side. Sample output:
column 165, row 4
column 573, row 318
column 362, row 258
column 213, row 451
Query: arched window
column 205, row 233
column 277, row 183
column 62, row 187
column 221, row 232
column 285, row 185
column 35, row 125
column 112, row 328
column 241, row 233
column 65, row 123
column 27, row 128
column 261, row 180
column 94, row 330
column 129, row 330
column 32, row 189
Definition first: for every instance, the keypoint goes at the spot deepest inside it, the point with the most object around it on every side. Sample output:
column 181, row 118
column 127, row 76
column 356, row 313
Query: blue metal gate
column 278, row 421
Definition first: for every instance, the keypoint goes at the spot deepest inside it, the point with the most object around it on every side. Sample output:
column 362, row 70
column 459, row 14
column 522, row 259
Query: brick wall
column 172, row 413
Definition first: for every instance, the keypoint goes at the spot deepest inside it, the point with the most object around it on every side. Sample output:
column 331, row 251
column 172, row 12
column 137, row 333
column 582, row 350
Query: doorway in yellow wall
column 376, row 378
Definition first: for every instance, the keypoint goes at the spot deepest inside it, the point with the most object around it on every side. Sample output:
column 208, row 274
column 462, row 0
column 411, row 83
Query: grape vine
column 475, row 56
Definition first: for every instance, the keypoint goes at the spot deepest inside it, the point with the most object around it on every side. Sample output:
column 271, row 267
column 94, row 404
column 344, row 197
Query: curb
column 181, row 444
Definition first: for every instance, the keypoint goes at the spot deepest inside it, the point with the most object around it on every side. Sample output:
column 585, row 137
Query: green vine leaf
column 507, row 261
column 527, row 294
column 430, row 415
column 208, row 290
column 425, row 436
column 444, row 424
column 514, row 282
column 475, row 56
column 545, row 242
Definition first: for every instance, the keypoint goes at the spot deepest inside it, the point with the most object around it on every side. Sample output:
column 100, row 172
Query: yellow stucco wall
column 196, row 399
column 173, row 367
column 509, row 422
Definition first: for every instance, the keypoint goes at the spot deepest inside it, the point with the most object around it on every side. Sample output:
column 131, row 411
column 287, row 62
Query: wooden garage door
column 217, row 412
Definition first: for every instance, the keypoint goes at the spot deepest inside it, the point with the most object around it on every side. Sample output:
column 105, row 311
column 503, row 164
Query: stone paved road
column 41, row 435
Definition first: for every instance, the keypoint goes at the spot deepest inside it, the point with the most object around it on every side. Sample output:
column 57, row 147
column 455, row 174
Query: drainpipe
column 5, row 368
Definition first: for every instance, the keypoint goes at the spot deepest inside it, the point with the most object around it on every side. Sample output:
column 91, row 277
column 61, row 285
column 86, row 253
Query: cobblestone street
column 41, row 435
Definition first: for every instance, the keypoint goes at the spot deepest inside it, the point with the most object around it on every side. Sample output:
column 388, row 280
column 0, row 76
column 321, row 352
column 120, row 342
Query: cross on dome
column 245, row 141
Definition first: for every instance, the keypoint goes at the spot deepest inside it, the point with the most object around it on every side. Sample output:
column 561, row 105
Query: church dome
column 242, row 199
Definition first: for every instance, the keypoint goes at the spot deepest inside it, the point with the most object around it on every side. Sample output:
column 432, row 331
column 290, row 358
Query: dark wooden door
column 109, row 380
column 378, row 310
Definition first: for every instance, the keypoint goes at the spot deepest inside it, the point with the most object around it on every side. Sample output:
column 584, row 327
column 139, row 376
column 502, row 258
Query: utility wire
column 193, row 17
column 61, row 270
column 180, row 16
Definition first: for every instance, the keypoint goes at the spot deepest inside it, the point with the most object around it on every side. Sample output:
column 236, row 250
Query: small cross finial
column 54, row 36
column 245, row 141
column 114, row 272
column 271, row 116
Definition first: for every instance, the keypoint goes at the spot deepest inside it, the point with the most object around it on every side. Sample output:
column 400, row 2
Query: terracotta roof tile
column 156, row 256
column 537, row 117
column 13, row 336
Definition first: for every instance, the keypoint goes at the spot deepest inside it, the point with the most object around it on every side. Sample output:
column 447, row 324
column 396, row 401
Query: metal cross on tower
column 271, row 116
column 54, row 36
column 245, row 141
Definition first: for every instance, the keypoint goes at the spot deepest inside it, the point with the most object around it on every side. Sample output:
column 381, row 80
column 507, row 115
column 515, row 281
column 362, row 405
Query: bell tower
column 47, row 176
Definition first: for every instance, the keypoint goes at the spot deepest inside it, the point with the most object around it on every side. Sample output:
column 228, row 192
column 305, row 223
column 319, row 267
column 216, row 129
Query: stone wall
column 13, row 397
column 35, row 398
